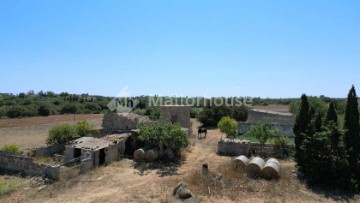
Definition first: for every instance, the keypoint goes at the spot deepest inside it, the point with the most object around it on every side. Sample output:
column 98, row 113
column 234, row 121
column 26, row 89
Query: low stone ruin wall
column 270, row 150
column 15, row 163
column 233, row 147
column 48, row 150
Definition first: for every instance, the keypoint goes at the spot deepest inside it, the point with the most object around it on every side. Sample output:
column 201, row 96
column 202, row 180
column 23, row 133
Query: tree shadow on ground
column 163, row 167
column 330, row 192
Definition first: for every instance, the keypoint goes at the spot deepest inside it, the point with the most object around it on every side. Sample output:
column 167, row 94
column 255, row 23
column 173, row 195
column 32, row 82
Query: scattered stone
column 181, row 191
column 184, row 193
column 41, row 188
column 218, row 176
column 179, row 185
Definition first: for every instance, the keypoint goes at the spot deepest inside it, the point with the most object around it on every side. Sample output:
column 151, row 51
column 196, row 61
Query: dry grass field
column 31, row 132
column 273, row 107
column 125, row 181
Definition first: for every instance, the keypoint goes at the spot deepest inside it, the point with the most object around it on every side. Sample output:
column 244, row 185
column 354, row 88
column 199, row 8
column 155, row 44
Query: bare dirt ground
column 272, row 107
column 121, row 182
column 29, row 133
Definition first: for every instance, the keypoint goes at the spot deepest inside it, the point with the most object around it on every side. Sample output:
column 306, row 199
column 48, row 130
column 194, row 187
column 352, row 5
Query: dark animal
column 201, row 131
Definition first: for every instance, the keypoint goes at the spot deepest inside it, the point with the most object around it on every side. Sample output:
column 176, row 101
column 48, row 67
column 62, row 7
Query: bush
column 262, row 132
column 240, row 113
column 211, row 115
column 61, row 134
column 153, row 112
column 194, row 112
column 11, row 148
column 93, row 107
column 83, row 128
column 16, row 112
column 68, row 108
column 228, row 126
column 141, row 112
column 44, row 110
column 163, row 133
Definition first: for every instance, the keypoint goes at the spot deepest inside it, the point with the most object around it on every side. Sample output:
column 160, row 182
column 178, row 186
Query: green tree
column 162, row 134
column 352, row 136
column 331, row 114
column 44, row 110
column 240, row 113
column 61, row 134
column 68, row 108
column 153, row 112
column 300, row 129
column 262, row 132
column 228, row 126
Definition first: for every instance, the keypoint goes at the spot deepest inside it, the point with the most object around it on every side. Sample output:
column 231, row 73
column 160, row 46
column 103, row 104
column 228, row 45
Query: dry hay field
column 273, row 107
column 31, row 132
column 125, row 181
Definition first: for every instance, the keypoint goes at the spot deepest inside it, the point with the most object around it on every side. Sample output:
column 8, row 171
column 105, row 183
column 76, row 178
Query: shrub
column 61, row 134
column 194, row 112
column 141, row 112
column 228, row 126
column 68, row 108
column 153, row 112
column 16, row 112
column 240, row 113
column 44, row 110
column 11, row 148
column 83, row 128
column 163, row 133
column 211, row 115
column 262, row 132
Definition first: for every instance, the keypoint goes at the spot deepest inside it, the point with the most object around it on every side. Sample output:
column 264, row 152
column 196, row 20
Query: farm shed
column 100, row 151
column 122, row 122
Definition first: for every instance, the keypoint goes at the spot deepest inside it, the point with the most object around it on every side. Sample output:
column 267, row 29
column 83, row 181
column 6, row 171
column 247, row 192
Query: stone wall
column 15, row 163
column 284, row 129
column 233, row 147
column 118, row 123
column 178, row 114
column 47, row 151
column 270, row 150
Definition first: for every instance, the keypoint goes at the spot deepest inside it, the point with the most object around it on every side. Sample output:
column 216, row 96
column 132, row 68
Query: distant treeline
column 49, row 103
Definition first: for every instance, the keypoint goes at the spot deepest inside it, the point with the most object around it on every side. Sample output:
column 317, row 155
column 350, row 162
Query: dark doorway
column 102, row 157
column 129, row 147
column 77, row 153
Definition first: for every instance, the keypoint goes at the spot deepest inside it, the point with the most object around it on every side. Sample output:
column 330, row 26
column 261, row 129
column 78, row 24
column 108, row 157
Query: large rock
column 181, row 191
column 184, row 193
column 179, row 185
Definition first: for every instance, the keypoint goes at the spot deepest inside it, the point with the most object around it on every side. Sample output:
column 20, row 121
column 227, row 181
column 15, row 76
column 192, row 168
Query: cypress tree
column 352, row 137
column 331, row 114
column 300, row 129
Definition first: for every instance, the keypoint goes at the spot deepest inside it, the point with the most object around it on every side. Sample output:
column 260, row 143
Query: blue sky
column 184, row 48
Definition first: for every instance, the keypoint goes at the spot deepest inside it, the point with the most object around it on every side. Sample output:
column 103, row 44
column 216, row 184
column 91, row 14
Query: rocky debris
column 182, row 191
column 41, row 187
